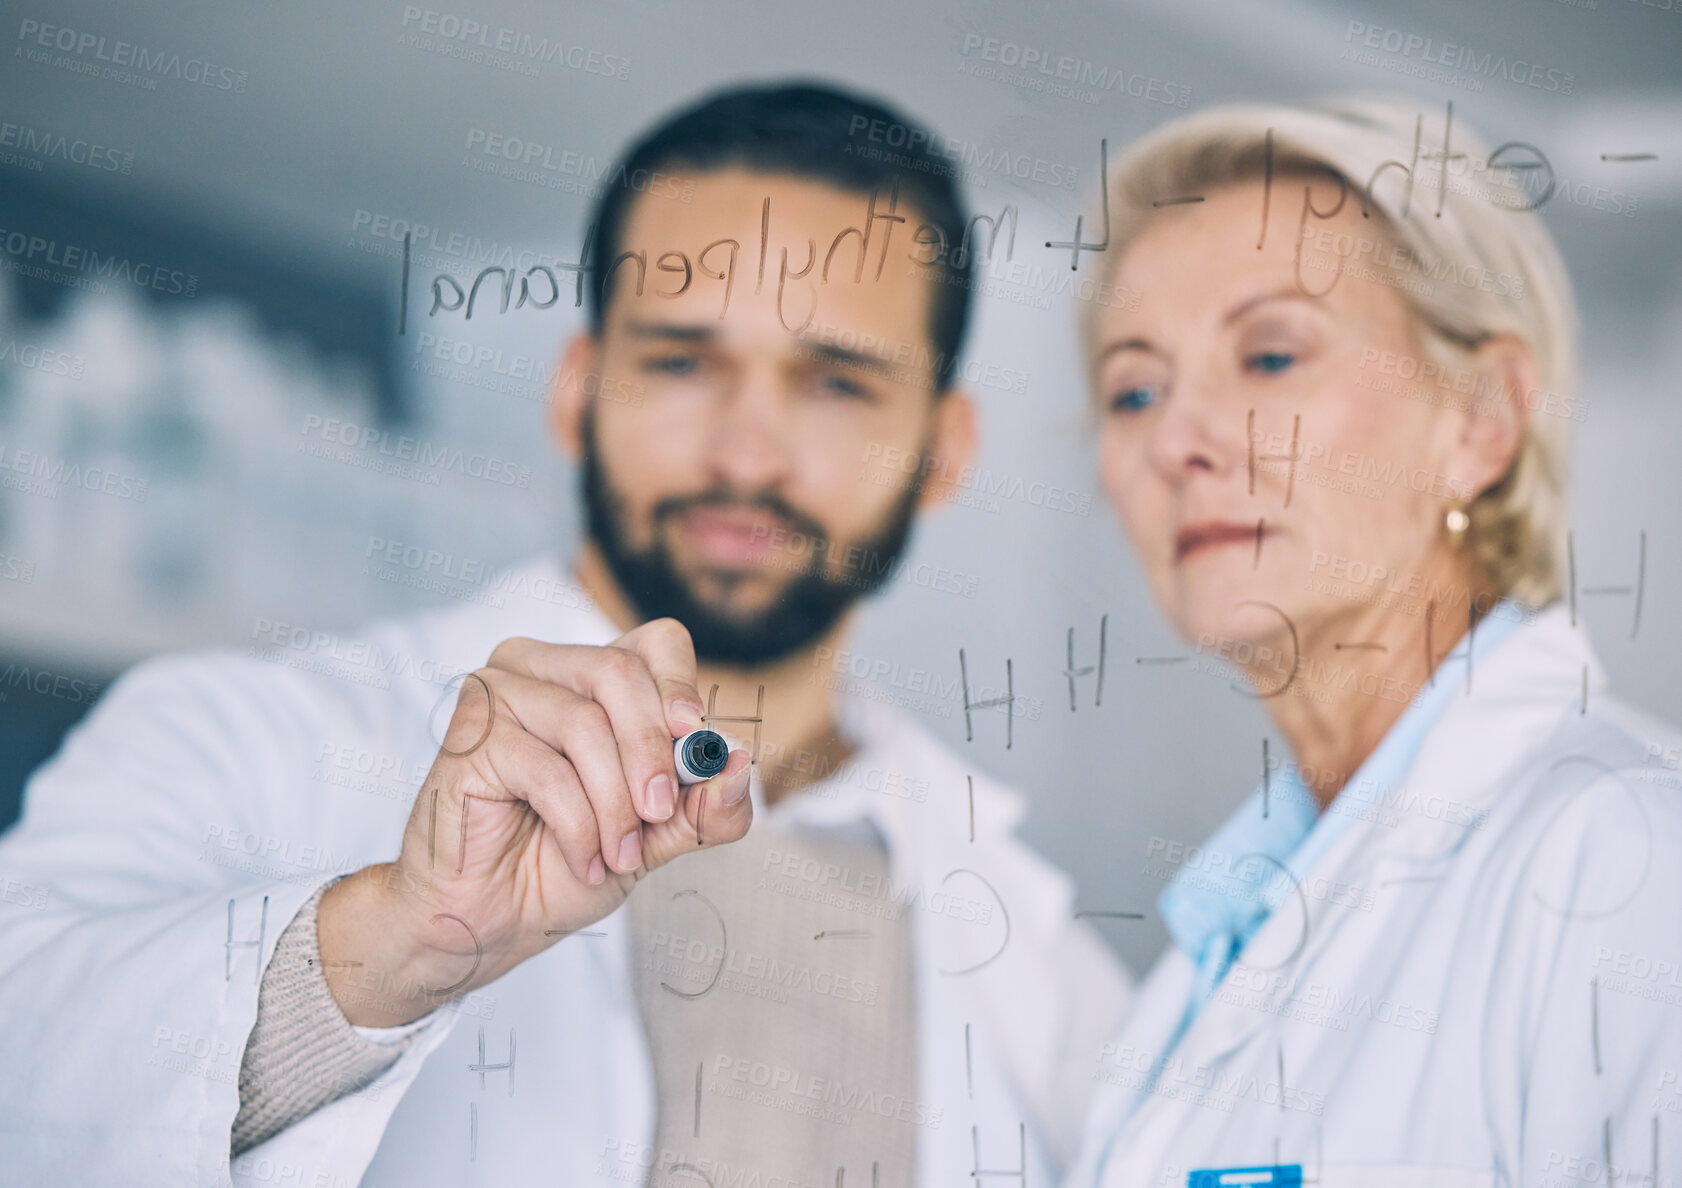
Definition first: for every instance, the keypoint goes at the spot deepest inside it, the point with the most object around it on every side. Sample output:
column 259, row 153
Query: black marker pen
column 700, row 755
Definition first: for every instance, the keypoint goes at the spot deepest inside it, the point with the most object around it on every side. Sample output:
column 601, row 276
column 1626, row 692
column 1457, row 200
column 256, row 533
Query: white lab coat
column 1492, row 1003
column 220, row 778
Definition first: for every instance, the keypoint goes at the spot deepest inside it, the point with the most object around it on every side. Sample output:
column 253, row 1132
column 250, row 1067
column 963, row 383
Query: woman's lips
column 1213, row 533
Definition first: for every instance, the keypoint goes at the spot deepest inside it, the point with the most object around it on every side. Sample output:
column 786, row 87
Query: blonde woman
column 1439, row 944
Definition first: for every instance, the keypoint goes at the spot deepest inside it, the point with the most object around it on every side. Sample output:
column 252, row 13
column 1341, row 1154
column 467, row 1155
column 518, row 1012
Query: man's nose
column 749, row 445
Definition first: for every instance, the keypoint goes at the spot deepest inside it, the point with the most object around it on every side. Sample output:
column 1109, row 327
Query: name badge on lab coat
column 1287, row 1175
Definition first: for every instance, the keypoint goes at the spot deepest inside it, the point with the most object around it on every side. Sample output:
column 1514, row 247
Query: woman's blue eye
column 673, row 364
column 1272, row 362
column 1133, row 399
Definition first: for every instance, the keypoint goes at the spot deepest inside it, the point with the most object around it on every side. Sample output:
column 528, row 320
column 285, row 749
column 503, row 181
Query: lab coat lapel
column 1409, row 833
column 1227, row 1022
column 1518, row 695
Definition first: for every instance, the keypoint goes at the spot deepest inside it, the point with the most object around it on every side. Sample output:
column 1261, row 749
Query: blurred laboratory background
column 201, row 263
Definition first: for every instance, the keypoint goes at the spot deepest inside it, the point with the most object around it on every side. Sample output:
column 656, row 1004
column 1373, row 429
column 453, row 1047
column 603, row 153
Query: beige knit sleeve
column 303, row 1053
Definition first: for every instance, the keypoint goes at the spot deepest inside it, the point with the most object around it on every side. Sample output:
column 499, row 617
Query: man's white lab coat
column 208, row 795
column 1480, row 983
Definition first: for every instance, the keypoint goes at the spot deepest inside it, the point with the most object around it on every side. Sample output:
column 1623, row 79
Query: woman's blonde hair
column 1470, row 263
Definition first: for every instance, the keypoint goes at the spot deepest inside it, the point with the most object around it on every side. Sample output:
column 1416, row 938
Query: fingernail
column 737, row 787
column 660, row 799
column 688, row 712
column 597, row 871
column 630, row 851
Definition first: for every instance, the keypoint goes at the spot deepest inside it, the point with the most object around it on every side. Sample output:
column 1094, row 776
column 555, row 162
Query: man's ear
column 1491, row 431
column 574, row 386
column 957, row 436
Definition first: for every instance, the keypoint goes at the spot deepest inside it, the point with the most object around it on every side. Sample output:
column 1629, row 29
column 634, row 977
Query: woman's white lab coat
column 203, row 788
column 1481, row 983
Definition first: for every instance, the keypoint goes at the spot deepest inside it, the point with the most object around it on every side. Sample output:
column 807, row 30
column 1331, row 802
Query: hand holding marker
column 566, row 772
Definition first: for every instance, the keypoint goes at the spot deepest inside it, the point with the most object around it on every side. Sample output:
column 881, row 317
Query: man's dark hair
column 811, row 131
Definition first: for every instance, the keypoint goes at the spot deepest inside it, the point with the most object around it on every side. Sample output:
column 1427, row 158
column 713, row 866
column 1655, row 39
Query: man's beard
column 803, row 612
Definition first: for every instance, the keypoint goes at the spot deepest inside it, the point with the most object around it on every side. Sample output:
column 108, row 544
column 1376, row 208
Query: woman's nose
column 1198, row 431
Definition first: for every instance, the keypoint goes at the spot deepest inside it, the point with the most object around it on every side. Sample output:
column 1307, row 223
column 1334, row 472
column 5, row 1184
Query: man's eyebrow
column 670, row 331
column 829, row 352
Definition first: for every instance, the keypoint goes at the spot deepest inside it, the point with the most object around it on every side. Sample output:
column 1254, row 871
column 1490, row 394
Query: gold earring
column 1457, row 522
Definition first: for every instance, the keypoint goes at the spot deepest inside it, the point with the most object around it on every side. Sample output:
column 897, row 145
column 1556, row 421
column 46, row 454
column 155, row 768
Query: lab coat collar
column 1518, row 693
column 1280, row 828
